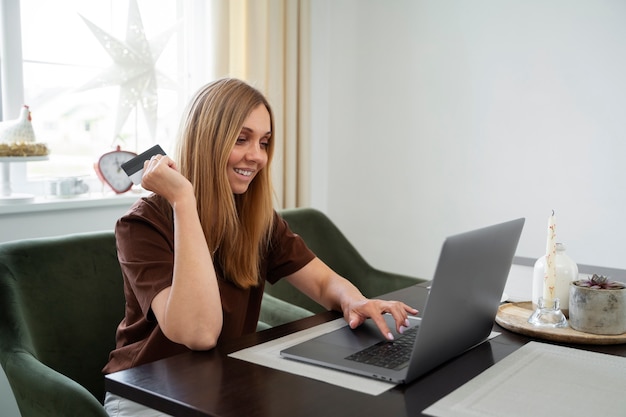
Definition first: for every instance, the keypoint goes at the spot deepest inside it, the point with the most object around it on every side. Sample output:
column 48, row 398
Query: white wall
column 56, row 217
column 435, row 117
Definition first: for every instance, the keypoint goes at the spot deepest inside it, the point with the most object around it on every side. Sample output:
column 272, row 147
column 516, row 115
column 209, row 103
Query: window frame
column 192, row 37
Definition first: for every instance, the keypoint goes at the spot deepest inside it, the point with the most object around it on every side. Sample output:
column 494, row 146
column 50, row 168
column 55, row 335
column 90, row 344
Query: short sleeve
column 288, row 253
column 145, row 240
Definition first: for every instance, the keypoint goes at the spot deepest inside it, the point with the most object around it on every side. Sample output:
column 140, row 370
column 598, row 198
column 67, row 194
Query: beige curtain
column 266, row 42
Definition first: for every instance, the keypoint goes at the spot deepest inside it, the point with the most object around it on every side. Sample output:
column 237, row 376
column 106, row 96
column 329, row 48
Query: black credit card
column 134, row 167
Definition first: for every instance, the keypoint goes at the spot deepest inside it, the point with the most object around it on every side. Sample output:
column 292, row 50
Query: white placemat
column 268, row 354
column 539, row 380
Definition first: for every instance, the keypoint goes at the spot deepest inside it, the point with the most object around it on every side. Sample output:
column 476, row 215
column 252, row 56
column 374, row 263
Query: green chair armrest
column 275, row 311
column 36, row 387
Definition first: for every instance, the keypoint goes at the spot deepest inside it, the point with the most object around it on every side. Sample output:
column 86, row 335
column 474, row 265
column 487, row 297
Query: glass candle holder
column 548, row 314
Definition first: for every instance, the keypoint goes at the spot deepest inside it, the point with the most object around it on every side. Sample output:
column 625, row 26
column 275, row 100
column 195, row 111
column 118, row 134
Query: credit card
column 134, row 167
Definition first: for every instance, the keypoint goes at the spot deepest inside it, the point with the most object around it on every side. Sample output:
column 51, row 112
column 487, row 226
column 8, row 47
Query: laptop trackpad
column 363, row 336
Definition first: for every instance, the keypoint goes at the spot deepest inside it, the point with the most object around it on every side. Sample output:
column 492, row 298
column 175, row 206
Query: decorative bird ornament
column 18, row 130
column 17, row 137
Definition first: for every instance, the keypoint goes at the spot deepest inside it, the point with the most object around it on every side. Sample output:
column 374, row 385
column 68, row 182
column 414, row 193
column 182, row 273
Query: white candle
column 549, row 281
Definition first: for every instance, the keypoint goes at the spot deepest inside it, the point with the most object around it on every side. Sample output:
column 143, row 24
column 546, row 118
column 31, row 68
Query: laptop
column 458, row 314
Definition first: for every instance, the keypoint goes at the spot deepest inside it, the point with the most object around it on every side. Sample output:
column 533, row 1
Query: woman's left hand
column 357, row 312
column 334, row 292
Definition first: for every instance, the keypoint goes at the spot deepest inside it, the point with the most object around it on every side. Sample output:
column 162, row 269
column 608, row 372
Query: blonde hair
column 237, row 227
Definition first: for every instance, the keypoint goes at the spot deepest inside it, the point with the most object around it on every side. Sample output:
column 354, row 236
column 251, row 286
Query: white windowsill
column 42, row 204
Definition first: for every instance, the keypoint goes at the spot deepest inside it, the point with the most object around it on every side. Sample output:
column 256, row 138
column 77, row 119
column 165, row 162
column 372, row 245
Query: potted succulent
column 598, row 305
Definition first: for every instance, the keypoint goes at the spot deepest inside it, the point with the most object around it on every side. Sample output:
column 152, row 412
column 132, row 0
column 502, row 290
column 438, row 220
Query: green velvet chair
column 331, row 246
column 61, row 300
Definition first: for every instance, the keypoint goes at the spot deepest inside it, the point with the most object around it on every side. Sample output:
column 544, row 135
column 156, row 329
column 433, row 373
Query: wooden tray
column 514, row 317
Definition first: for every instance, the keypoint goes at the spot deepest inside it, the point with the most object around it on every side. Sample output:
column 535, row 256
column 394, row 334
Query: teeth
column 243, row 172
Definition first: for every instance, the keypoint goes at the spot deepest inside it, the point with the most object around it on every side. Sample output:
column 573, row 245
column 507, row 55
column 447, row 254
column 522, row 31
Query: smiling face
column 249, row 155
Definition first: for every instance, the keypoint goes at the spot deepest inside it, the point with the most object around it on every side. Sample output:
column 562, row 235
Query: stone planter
column 597, row 311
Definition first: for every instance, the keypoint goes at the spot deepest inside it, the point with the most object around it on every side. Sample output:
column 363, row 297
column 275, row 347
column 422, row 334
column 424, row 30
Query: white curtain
column 266, row 42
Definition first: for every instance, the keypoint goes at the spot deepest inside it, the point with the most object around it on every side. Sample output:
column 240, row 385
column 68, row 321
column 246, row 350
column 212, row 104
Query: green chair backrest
column 325, row 239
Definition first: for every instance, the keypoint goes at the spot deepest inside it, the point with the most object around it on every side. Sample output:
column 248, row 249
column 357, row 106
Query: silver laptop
column 458, row 314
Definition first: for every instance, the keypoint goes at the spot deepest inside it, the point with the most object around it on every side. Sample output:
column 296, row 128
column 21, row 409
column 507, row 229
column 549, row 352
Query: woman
column 196, row 253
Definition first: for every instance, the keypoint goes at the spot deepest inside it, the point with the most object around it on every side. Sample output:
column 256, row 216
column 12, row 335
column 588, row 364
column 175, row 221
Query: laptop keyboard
column 390, row 355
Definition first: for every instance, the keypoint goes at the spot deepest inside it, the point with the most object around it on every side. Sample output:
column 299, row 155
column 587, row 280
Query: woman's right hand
column 161, row 176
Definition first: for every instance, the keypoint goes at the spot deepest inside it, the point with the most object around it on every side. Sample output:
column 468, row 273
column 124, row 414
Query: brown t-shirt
column 145, row 244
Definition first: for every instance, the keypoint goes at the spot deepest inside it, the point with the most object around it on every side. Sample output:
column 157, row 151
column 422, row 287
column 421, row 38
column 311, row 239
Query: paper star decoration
column 133, row 69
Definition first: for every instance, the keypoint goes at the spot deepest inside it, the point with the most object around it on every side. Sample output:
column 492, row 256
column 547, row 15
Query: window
column 88, row 93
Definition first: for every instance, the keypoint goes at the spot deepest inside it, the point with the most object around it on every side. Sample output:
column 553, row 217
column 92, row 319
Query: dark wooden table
column 213, row 384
